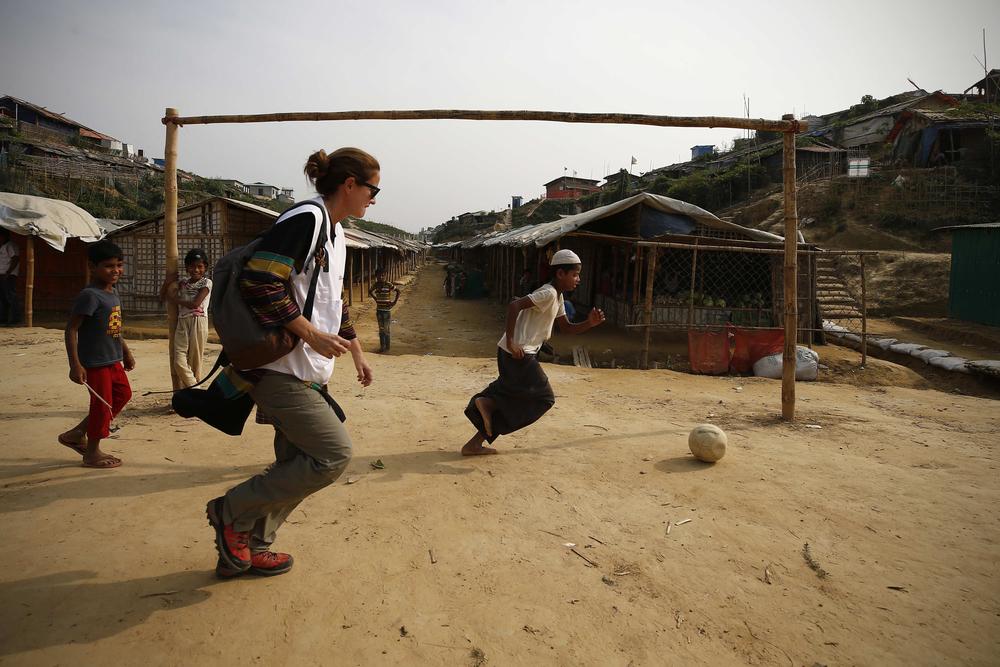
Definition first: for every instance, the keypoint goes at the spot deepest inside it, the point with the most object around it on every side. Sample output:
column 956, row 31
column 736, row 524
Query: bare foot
column 477, row 450
column 474, row 447
column 485, row 407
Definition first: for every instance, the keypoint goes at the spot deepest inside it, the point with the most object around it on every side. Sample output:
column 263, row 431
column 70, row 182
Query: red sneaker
column 269, row 563
column 233, row 546
column 222, row 571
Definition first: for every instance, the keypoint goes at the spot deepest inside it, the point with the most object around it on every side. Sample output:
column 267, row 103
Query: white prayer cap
column 565, row 257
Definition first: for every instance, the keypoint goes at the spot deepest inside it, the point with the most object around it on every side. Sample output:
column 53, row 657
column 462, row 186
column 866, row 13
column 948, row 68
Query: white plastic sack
column 950, row 363
column 906, row 348
column 928, row 354
column 806, row 365
column 884, row 343
column 986, row 366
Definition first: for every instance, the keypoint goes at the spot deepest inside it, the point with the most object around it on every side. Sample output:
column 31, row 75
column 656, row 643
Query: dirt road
column 436, row 559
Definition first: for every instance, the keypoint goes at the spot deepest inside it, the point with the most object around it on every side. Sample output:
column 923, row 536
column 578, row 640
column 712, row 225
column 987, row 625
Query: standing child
column 96, row 354
column 522, row 393
column 191, row 297
column 10, row 258
column 382, row 291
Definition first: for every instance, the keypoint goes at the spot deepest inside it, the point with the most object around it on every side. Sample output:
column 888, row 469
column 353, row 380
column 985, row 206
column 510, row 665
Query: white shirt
column 303, row 362
column 187, row 290
column 534, row 325
column 8, row 251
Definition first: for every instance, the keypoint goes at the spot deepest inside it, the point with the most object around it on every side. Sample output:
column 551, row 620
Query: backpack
column 245, row 343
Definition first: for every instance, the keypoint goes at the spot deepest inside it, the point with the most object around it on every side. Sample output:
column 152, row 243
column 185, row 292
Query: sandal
column 104, row 463
column 77, row 447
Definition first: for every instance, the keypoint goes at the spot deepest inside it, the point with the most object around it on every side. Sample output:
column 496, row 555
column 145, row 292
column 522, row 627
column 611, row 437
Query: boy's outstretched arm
column 594, row 317
column 77, row 373
column 513, row 309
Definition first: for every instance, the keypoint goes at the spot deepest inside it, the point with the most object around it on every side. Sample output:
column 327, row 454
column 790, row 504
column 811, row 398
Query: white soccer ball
column 707, row 442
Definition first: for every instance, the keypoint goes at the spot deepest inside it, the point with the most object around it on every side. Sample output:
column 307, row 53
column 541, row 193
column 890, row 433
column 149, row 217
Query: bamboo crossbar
column 761, row 251
column 469, row 114
column 788, row 125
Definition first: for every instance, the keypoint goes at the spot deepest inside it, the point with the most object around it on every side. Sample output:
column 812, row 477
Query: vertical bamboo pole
column 364, row 290
column 790, row 276
column 864, row 315
column 648, row 310
column 506, row 275
column 170, row 229
column 636, row 270
column 810, row 306
column 350, row 277
column 694, row 272
column 614, row 280
column 29, row 284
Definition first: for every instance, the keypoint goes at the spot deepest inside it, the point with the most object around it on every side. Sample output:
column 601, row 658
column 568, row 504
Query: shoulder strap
column 320, row 261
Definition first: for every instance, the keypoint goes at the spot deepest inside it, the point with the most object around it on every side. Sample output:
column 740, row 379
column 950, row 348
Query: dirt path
column 437, row 559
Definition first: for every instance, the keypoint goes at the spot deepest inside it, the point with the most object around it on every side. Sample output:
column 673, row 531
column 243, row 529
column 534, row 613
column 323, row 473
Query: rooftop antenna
column 985, row 73
column 913, row 84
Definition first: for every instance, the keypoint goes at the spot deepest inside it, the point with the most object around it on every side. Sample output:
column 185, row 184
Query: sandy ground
column 436, row 559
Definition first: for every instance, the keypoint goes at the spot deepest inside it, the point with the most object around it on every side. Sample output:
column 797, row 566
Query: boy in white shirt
column 522, row 393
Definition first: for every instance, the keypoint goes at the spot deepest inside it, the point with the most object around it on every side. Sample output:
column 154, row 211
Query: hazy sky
column 115, row 66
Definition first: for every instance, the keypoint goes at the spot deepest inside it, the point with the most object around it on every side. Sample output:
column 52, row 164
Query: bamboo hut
column 219, row 224
column 216, row 225
column 707, row 272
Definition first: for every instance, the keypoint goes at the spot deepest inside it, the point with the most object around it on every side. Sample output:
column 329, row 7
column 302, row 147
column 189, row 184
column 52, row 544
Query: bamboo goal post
column 790, row 276
column 170, row 229
column 788, row 125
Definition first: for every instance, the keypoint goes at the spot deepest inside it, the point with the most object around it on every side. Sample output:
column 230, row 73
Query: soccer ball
column 707, row 442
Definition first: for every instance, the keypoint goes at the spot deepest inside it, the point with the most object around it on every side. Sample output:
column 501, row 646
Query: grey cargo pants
column 311, row 450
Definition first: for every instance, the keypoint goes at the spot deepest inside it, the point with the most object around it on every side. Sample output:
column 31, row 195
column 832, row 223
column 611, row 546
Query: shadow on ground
column 70, row 608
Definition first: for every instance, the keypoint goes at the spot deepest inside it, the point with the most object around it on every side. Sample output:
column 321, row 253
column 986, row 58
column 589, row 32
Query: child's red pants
column 112, row 385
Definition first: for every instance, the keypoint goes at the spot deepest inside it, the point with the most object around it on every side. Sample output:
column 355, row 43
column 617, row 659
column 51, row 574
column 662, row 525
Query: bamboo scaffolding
column 786, row 124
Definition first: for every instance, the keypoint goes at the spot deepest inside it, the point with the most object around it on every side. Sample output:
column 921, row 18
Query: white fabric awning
column 52, row 220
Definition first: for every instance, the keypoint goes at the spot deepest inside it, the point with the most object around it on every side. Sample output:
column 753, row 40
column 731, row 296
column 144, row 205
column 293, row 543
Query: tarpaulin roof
column 546, row 232
column 362, row 238
column 52, row 220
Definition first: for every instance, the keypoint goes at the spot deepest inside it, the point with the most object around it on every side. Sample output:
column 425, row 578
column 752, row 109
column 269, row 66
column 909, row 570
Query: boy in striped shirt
column 386, row 295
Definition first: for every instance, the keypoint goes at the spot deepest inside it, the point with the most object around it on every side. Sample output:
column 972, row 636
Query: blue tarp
column 657, row 223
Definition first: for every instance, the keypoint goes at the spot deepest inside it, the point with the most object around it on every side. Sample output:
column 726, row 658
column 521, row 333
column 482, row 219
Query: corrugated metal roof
column 955, row 116
column 109, row 225
column 94, row 134
column 984, row 225
column 47, row 113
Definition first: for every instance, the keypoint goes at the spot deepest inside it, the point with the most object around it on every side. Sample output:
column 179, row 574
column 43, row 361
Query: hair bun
column 316, row 165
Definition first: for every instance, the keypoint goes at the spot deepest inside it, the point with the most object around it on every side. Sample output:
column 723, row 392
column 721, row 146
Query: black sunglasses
column 375, row 190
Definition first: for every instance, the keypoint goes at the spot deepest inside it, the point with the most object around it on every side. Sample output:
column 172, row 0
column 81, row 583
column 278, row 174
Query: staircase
column 835, row 301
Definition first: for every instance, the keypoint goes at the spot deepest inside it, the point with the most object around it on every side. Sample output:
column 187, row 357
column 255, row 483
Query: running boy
column 98, row 357
column 522, row 393
column 191, row 296
column 382, row 292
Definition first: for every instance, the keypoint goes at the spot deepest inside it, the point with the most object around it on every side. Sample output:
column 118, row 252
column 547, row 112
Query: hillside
column 116, row 188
